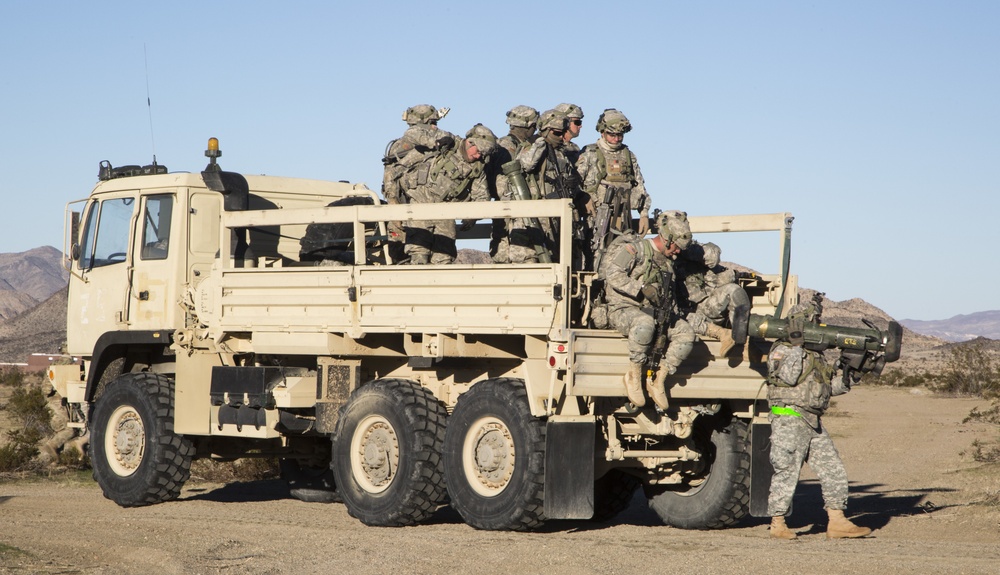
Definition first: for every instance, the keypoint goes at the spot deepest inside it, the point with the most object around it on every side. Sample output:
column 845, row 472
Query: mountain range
column 960, row 327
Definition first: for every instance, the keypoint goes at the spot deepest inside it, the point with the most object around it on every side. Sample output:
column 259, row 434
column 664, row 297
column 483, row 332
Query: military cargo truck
column 228, row 316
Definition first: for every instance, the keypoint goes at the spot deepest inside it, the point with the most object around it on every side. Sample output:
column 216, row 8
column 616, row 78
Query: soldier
column 421, row 139
column 550, row 175
column 709, row 294
column 522, row 121
column 609, row 166
column 454, row 176
column 634, row 286
column 800, row 383
column 574, row 116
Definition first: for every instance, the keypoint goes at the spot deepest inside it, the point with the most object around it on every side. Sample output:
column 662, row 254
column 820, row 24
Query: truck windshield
column 105, row 236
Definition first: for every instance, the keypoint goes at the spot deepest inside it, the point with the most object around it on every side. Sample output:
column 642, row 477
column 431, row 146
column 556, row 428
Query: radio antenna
column 149, row 105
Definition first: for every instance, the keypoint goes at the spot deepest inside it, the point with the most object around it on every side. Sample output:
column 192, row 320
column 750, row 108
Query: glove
column 795, row 335
column 652, row 294
column 643, row 224
column 467, row 225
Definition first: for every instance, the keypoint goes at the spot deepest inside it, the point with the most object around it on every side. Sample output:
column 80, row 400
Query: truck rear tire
column 137, row 458
column 387, row 453
column 722, row 499
column 494, row 453
column 309, row 484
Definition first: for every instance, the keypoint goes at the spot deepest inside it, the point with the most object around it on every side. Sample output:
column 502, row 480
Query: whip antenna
column 149, row 104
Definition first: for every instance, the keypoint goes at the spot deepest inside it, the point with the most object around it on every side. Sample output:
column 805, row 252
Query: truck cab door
column 157, row 265
column 98, row 298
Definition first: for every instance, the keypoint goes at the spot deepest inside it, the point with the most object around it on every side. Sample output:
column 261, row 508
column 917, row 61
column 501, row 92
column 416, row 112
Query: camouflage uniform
column 421, row 140
column 449, row 177
column 522, row 121
column 632, row 273
column 707, row 292
column 800, row 383
column 602, row 165
column 550, row 175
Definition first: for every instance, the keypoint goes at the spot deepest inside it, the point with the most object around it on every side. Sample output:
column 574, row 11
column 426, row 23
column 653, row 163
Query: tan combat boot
column 633, row 385
column 725, row 337
column 655, row 388
column 841, row 527
column 779, row 530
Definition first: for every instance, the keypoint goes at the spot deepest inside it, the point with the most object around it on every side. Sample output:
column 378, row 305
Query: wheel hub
column 375, row 454
column 126, row 441
column 489, row 456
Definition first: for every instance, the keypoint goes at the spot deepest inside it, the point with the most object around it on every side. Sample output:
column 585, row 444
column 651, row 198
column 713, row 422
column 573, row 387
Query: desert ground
column 932, row 507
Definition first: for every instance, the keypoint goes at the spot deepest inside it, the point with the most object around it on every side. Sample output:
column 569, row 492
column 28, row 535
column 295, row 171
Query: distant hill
column 961, row 327
column 42, row 329
column 28, row 278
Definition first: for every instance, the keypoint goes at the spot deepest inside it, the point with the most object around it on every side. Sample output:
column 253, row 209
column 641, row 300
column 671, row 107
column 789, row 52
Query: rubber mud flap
column 760, row 468
column 569, row 469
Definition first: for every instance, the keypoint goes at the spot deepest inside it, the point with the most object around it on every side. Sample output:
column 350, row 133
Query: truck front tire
column 387, row 453
column 494, row 453
column 723, row 497
column 137, row 458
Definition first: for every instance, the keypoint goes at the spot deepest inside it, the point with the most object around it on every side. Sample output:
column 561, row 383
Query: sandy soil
column 913, row 480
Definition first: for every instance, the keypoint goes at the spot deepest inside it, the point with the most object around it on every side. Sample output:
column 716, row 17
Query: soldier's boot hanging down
column 725, row 337
column 655, row 387
column 779, row 530
column 633, row 384
column 841, row 527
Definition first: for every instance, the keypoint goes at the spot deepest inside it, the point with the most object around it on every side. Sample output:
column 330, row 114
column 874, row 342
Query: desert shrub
column 32, row 418
column 970, row 370
column 985, row 452
column 11, row 377
column 897, row 378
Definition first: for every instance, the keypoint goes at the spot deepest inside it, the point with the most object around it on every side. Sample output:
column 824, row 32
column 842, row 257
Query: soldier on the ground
column 574, row 115
column 549, row 175
column 611, row 176
column 421, row 139
column 800, row 383
column 709, row 294
column 522, row 121
column 454, row 176
column 638, row 285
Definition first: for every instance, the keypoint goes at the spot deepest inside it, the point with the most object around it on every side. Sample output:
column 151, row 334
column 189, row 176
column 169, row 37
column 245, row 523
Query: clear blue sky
column 875, row 123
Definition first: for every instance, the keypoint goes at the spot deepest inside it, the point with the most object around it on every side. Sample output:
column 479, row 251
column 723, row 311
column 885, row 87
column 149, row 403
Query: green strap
column 782, row 410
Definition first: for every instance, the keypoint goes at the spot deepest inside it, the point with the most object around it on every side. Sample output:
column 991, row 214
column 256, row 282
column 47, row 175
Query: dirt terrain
column 913, row 480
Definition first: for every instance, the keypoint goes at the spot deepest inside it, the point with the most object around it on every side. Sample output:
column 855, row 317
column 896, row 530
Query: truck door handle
column 144, row 295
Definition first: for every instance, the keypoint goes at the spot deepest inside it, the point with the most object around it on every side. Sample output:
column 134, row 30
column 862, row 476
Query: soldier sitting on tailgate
column 709, row 295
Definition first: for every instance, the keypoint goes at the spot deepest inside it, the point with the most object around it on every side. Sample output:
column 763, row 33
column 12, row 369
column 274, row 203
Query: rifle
column 611, row 208
column 661, row 319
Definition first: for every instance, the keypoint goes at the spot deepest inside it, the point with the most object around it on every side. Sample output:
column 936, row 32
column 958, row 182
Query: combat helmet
column 613, row 121
column 483, row 138
column 808, row 312
column 522, row 116
column 713, row 253
column 673, row 227
column 421, row 114
column 570, row 110
column 551, row 120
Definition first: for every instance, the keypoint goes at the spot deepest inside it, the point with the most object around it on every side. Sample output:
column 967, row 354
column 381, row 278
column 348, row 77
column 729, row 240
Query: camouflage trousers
column 794, row 441
column 712, row 309
column 431, row 241
column 638, row 326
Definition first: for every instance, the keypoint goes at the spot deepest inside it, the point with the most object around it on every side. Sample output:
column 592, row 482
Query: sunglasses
column 559, row 132
column 576, row 122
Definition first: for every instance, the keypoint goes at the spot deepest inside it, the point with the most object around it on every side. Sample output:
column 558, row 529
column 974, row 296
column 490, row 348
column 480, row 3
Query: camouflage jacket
column 630, row 263
column 800, row 378
column 419, row 143
column 549, row 173
column 600, row 166
column 448, row 177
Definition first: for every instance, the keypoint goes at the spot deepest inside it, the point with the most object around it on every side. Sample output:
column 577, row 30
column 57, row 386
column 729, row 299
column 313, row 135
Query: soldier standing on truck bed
column 421, row 139
column 522, row 121
column 709, row 294
column 611, row 177
column 800, row 383
column 549, row 175
column 638, row 287
column 453, row 176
